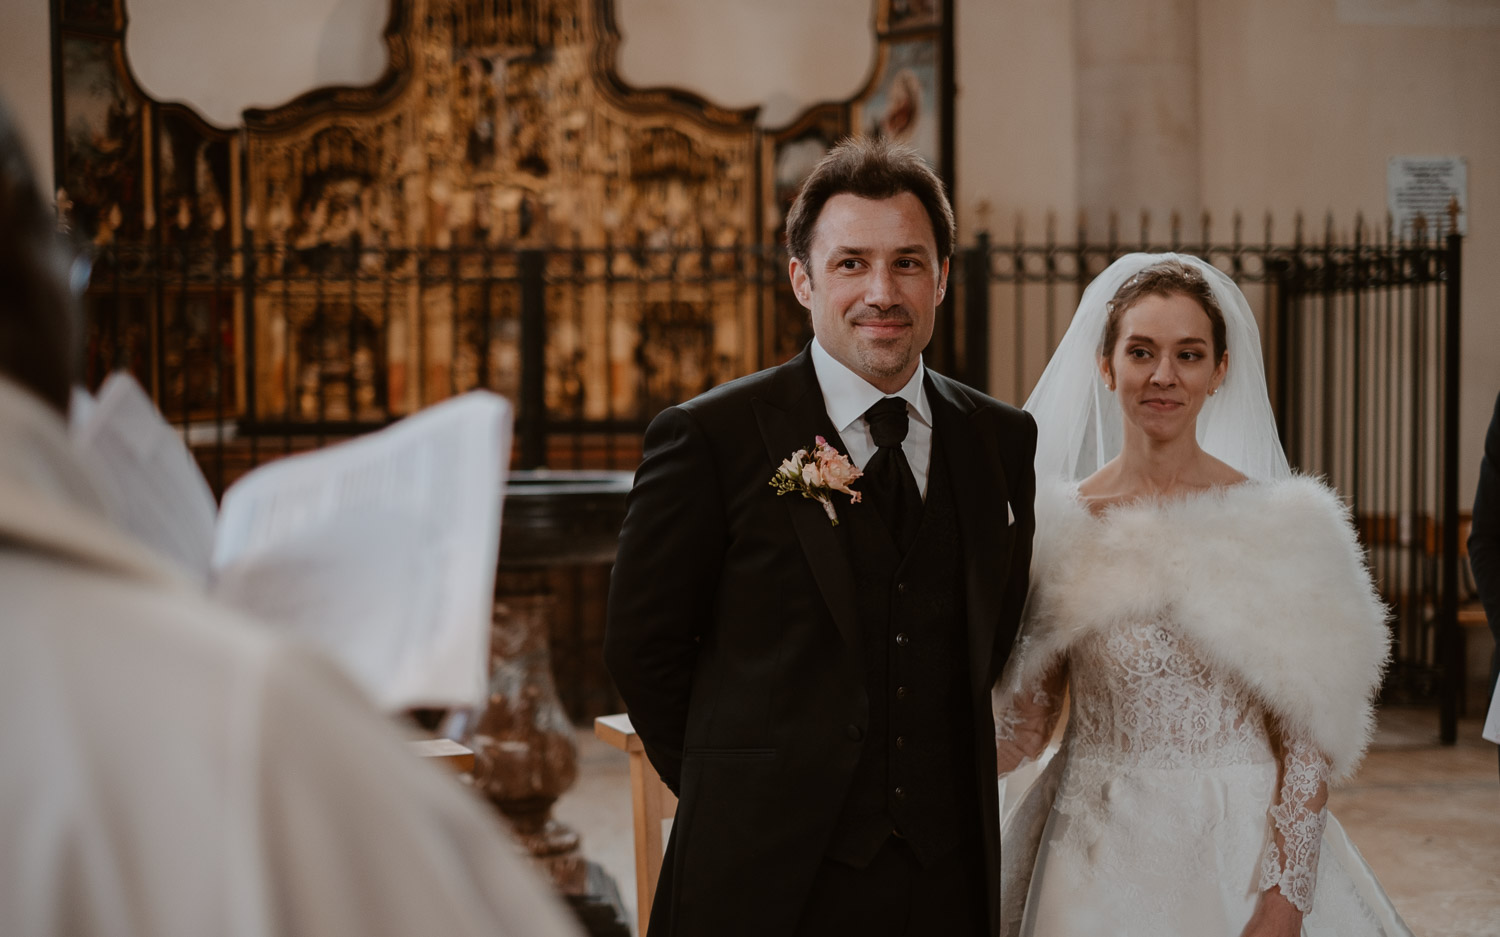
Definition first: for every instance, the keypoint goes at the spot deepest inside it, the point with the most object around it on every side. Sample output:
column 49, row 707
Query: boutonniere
column 817, row 475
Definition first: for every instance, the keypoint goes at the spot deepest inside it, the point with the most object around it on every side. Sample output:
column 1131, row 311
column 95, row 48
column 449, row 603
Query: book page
column 150, row 482
column 381, row 550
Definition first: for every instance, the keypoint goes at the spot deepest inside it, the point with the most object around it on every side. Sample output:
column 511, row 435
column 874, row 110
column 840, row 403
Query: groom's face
column 872, row 282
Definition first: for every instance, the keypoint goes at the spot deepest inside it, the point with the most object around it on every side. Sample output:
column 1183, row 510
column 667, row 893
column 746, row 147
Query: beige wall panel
column 26, row 77
column 1301, row 110
column 783, row 55
column 1015, row 116
column 1138, row 132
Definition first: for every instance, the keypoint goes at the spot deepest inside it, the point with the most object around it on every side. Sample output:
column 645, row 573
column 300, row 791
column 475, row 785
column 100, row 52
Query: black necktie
column 888, row 482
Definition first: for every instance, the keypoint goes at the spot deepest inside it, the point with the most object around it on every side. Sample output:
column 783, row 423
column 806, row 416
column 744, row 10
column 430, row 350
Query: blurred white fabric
column 168, row 769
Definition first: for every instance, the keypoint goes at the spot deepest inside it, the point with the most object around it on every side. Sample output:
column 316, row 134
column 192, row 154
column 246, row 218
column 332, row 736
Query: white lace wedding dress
column 1178, row 799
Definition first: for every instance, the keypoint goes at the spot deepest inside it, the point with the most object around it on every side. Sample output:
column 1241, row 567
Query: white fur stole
column 1266, row 579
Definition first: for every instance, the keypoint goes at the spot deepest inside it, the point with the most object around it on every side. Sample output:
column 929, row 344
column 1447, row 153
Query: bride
column 1208, row 619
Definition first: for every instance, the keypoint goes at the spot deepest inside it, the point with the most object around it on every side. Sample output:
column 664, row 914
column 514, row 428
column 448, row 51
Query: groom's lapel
column 791, row 415
column 981, row 496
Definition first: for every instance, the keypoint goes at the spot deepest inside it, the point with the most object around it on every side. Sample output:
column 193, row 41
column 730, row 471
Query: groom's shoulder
column 736, row 397
column 720, row 415
column 735, row 393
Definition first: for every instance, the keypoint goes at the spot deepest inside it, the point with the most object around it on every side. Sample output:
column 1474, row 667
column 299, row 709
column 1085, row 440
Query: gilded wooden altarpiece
column 359, row 252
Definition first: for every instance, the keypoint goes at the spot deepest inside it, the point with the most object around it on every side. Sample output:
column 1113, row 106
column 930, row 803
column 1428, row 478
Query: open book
column 382, row 549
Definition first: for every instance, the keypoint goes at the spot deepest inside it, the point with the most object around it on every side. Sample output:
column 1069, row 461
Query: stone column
column 525, row 755
column 1138, row 126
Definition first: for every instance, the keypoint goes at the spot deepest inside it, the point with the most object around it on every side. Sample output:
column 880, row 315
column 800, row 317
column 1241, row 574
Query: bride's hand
column 1274, row 916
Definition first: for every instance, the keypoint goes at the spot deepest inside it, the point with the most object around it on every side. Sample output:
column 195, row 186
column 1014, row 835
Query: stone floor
column 1427, row 819
column 598, row 807
column 1425, row 816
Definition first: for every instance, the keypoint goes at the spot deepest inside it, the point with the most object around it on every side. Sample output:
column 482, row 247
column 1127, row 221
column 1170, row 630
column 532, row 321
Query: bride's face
column 1162, row 368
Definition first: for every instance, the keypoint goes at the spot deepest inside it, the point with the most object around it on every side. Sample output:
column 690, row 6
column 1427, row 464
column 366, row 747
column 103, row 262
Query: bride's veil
column 1079, row 429
column 1078, row 418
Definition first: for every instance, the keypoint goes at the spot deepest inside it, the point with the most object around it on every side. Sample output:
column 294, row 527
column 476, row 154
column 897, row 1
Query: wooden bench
column 1471, row 615
column 450, row 754
column 651, row 805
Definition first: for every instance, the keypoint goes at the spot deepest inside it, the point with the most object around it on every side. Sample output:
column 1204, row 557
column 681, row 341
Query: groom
column 818, row 694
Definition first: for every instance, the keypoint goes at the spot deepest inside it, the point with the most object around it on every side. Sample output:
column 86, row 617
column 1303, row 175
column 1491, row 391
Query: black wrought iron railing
column 1360, row 330
column 260, row 350
column 1367, row 351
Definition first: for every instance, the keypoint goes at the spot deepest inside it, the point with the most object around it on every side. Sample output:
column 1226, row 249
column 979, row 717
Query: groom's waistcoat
column 916, row 770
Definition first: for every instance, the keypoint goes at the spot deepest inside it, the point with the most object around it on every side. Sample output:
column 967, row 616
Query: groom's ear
column 802, row 284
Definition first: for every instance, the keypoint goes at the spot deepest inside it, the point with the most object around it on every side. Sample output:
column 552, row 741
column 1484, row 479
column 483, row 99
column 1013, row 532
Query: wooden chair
column 651, row 804
column 453, row 755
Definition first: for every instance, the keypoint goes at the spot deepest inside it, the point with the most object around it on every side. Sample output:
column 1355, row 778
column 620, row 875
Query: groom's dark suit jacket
column 734, row 635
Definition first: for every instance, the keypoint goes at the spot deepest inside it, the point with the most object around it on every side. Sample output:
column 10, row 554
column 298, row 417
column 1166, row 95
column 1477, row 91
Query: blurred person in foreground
column 166, row 767
column 1484, row 538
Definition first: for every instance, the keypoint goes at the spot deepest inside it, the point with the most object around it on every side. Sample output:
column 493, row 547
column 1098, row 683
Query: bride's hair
column 1079, row 422
column 1165, row 278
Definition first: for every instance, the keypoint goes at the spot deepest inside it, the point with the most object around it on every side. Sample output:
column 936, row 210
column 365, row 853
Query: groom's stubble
column 872, row 283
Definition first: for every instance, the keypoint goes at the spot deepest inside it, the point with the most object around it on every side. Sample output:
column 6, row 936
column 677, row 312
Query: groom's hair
column 873, row 169
column 38, row 316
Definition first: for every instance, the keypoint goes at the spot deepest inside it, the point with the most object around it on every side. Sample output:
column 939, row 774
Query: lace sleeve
column 1024, row 721
column 1297, row 821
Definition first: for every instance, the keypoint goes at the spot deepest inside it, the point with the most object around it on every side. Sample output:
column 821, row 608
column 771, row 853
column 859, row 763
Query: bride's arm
column 1289, row 865
column 1025, row 720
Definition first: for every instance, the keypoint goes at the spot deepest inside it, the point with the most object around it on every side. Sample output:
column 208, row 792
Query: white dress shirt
column 847, row 396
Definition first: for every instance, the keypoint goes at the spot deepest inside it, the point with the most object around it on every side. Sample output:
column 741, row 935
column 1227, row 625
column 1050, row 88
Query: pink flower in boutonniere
column 817, row 475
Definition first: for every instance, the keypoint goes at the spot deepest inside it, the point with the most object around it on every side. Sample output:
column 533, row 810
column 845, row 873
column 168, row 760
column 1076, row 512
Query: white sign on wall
column 1427, row 186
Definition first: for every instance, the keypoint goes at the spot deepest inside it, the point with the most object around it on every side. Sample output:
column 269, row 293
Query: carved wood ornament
column 382, row 224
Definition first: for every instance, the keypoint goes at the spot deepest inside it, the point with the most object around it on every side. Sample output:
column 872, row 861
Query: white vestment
column 168, row 769
column 1220, row 654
